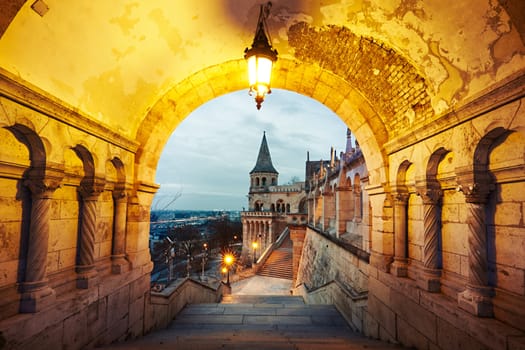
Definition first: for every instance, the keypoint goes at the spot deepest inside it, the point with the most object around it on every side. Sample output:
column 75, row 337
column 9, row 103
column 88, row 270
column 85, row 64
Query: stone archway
column 304, row 78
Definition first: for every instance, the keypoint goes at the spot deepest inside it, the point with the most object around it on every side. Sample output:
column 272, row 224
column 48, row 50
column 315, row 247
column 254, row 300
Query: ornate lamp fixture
column 260, row 58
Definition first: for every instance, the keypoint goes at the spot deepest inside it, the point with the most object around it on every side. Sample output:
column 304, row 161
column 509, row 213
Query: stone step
column 262, row 299
column 257, row 322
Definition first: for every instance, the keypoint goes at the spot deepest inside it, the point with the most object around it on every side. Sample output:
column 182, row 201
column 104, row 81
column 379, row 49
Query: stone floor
column 270, row 320
column 260, row 285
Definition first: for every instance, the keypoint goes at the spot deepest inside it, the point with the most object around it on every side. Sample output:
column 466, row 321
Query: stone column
column 297, row 235
column 430, row 278
column 328, row 210
column 344, row 208
column 357, row 204
column 399, row 267
column 477, row 298
column 36, row 292
column 118, row 254
column 86, row 271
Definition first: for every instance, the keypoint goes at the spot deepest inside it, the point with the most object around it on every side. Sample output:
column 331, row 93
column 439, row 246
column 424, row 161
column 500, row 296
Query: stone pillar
column 118, row 254
column 477, row 298
column 399, row 267
column 328, row 210
column 311, row 209
column 344, row 208
column 297, row 235
column 430, row 278
column 36, row 292
column 357, row 204
column 318, row 216
column 86, row 271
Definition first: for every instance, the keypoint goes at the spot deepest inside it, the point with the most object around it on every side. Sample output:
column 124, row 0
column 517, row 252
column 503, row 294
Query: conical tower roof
column 264, row 160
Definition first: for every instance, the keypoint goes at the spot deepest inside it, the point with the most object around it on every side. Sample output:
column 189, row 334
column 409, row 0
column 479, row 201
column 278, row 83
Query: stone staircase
column 279, row 263
column 256, row 322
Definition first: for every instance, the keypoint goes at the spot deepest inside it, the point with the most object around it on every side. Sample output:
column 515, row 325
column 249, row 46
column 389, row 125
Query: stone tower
column 262, row 176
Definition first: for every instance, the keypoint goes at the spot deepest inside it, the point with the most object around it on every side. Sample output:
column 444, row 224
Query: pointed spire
column 349, row 147
column 264, row 160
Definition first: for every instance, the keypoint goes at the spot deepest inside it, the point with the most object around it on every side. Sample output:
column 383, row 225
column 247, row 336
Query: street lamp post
column 204, row 258
column 228, row 262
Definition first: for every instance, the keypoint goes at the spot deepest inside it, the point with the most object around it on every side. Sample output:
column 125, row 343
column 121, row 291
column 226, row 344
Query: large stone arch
column 304, row 78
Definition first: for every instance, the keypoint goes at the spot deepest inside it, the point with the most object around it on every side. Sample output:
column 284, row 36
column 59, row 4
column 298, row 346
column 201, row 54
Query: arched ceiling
column 114, row 60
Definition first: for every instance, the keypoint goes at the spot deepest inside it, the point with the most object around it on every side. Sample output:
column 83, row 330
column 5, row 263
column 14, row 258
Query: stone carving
column 477, row 297
column 35, row 288
column 89, row 191
column 477, row 241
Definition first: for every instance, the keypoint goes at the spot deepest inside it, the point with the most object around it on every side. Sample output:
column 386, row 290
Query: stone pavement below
column 256, row 322
column 262, row 285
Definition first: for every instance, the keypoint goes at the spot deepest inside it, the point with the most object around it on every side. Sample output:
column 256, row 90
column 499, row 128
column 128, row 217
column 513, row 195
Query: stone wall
column 457, row 278
column 162, row 307
column 113, row 311
column 329, row 273
column 74, row 256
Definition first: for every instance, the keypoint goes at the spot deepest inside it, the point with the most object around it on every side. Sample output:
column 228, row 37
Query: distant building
column 270, row 205
column 331, row 200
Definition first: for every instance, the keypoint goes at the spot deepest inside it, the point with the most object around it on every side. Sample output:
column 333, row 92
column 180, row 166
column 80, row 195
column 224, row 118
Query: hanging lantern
column 260, row 58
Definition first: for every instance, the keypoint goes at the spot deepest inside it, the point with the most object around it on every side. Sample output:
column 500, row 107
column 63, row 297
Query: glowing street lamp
column 228, row 260
column 254, row 245
column 260, row 58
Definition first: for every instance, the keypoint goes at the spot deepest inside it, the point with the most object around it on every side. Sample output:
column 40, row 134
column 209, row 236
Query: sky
column 207, row 160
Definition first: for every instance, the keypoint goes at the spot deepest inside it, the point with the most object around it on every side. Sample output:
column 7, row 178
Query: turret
column 263, row 173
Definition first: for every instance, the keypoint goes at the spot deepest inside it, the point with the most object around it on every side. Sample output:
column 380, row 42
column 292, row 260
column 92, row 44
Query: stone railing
column 360, row 253
column 167, row 303
column 264, row 256
column 261, row 213
column 348, row 301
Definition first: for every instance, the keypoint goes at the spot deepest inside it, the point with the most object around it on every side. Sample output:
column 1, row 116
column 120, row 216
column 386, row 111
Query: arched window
column 288, row 207
column 280, row 206
column 264, row 181
column 274, row 181
column 257, row 181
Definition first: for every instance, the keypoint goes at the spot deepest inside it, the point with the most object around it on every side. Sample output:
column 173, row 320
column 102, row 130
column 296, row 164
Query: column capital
column 400, row 197
column 475, row 192
column 43, row 182
column 430, row 195
column 119, row 194
column 475, row 184
column 91, row 188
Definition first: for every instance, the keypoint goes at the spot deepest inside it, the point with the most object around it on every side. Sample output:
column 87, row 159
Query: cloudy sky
column 209, row 156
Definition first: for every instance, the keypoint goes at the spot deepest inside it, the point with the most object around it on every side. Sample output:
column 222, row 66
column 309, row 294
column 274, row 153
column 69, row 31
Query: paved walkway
column 257, row 322
column 261, row 285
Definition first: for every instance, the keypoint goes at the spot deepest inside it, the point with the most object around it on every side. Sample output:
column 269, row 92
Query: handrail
column 352, row 293
column 358, row 252
column 264, row 256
